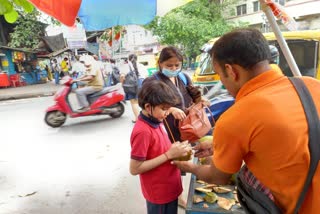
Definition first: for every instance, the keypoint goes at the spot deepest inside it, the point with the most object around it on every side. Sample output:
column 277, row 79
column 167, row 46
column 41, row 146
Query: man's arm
column 85, row 78
column 208, row 173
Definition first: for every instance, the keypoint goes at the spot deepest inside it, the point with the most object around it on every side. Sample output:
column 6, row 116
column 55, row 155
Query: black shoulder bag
column 130, row 84
column 254, row 201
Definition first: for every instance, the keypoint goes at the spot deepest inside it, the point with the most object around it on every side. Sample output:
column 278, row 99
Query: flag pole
column 283, row 44
column 112, row 35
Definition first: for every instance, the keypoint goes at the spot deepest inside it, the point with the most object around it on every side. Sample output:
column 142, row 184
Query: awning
column 54, row 54
column 17, row 49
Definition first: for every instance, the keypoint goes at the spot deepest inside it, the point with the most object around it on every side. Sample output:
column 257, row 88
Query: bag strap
column 174, row 140
column 314, row 134
column 183, row 78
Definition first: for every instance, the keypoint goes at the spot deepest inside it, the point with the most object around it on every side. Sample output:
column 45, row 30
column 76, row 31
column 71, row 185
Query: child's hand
column 179, row 149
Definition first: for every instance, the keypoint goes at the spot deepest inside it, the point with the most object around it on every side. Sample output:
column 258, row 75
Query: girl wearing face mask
column 170, row 72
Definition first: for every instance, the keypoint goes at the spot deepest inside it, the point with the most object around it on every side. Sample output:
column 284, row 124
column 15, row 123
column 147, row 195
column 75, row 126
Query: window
column 305, row 54
column 205, row 64
column 256, row 6
column 241, row 9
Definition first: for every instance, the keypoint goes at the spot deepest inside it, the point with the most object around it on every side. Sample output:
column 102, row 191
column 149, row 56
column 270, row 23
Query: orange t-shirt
column 267, row 128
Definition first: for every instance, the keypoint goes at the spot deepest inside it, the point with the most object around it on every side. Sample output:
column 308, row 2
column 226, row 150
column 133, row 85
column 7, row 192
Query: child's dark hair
column 156, row 93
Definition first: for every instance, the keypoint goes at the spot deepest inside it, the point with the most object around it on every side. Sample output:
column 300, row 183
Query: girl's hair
column 156, row 93
column 133, row 59
column 169, row 52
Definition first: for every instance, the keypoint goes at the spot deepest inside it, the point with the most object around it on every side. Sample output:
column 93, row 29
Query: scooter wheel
column 120, row 111
column 55, row 118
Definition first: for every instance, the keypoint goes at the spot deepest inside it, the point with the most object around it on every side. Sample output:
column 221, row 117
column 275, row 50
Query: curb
column 25, row 96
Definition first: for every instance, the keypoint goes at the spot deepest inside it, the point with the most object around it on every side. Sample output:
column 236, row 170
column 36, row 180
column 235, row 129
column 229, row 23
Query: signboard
column 75, row 36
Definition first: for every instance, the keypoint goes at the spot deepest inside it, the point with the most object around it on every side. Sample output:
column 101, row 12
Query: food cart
column 204, row 207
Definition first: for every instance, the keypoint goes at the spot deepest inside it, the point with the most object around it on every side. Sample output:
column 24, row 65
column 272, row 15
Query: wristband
column 165, row 154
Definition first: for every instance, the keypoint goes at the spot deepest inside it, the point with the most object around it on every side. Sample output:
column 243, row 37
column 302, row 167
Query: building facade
column 137, row 40
column 305, row 12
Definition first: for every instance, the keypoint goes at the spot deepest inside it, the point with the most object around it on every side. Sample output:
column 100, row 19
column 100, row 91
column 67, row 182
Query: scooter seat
column 105, row 91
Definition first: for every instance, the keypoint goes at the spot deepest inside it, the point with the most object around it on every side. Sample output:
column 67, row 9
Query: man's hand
column 203, row 149
column 185, row 166
column 74, row 81
column 205, row 101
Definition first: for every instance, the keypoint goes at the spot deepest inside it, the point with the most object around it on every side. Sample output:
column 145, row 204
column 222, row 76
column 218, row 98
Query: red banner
column 65, row 11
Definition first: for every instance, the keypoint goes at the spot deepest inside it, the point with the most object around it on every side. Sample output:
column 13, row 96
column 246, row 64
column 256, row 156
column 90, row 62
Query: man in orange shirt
column 266, row 128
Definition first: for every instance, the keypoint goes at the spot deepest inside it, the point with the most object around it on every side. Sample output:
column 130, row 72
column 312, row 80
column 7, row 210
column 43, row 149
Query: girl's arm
column 138, row 167
column 177, row 149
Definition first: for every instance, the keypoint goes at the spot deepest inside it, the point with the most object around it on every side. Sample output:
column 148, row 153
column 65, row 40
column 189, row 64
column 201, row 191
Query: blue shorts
column 130, row 96
column 168, row 208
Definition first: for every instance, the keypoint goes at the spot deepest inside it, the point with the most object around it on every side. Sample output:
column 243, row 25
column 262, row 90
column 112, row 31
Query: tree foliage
column 191, row 25
column 10, row 9
column 28, row 31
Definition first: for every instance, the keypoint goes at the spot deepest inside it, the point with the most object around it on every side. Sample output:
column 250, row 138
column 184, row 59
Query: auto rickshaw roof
column 288, row 35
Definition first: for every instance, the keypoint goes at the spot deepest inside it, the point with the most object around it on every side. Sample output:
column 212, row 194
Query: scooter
column 108, row 101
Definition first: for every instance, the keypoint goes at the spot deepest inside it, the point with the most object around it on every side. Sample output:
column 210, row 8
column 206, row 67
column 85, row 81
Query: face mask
column 170, row 73
column 152, row 118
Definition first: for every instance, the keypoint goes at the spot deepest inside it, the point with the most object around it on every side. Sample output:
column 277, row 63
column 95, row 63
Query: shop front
column 4, row 70
column 22, row 66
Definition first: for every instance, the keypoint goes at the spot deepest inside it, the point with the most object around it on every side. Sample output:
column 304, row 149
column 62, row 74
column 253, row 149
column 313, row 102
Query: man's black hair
column 244, row 47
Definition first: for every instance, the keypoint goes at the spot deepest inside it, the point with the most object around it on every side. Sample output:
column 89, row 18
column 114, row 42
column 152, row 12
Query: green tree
column 28, row 31
column 10, row 9
column 191, row 25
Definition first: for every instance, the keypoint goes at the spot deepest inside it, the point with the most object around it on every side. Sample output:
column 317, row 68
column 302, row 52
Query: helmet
column 87, row 59
column 274, row 53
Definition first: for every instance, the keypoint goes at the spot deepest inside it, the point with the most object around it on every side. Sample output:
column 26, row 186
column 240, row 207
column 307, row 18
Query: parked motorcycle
column 108, row 101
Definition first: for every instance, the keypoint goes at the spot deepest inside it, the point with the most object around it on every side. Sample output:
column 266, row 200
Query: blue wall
column 8, row 54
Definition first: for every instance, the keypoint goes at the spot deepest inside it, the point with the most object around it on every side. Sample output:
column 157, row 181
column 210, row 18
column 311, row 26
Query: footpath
column 29, row 91
column 38, row 90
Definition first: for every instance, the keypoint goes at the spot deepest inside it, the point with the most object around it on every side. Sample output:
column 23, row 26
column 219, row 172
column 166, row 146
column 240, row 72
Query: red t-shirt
column 162, row 184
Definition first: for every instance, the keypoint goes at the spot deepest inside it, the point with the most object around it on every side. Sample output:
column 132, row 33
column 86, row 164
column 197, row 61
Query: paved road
column 80, row 168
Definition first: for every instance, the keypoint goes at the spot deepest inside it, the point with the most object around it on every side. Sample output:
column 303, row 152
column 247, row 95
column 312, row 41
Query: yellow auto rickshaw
column 304, row 46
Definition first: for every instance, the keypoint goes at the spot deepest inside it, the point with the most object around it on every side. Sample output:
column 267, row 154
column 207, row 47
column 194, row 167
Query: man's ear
column 232, row 71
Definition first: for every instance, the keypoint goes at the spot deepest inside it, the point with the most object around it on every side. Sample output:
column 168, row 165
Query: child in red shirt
column 152, row 151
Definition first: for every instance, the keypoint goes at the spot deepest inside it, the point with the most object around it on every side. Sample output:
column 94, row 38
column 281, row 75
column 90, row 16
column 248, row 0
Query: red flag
column 63, row 10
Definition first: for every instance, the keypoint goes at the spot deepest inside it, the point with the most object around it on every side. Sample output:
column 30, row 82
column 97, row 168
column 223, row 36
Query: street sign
column 75, row 36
